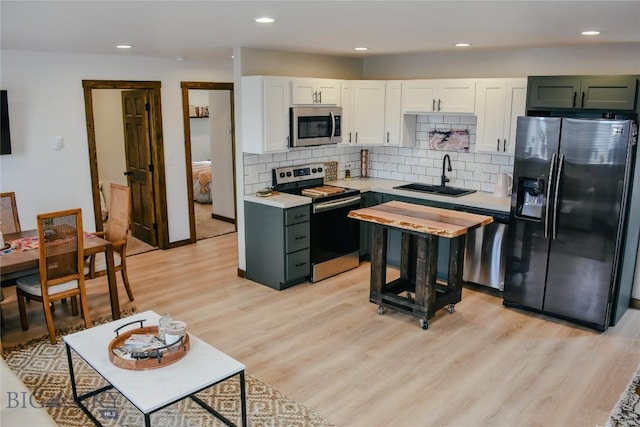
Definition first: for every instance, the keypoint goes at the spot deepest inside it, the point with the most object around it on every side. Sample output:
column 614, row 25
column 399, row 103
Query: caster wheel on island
column 451, row 308
column 380, row 310
column 424, row 324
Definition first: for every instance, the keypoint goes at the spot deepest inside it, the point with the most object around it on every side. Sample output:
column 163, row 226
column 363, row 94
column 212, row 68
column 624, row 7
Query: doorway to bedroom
column 109, row 122
column 210, row 160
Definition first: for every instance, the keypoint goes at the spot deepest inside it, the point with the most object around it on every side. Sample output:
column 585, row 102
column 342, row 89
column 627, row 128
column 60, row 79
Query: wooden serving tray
column 171, row 355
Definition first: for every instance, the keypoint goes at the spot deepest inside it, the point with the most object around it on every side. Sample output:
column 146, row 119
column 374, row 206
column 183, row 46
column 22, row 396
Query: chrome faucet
column 443, row 178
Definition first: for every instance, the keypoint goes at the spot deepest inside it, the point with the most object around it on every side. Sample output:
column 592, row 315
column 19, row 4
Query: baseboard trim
column 223, row 218
column 635, row 303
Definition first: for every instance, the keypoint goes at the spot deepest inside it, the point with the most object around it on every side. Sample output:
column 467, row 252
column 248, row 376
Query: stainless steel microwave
column 315, row 126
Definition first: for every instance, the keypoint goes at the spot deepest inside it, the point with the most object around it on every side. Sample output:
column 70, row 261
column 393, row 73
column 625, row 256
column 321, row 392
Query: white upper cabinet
column 265, row 114
column 499, row 102
column 346, row 122
column 371, row 112
column 392, row 113
column 439, row 96
column 315, row 92
column 368, row 112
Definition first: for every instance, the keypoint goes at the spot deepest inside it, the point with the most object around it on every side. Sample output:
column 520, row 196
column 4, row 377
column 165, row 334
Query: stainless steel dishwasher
column 485, row 251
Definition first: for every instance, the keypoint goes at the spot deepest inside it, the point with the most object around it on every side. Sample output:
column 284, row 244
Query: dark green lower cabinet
column 277, row 244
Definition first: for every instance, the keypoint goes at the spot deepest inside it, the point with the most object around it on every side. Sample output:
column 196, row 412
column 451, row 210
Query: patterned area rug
column 44, row 369
column 627, row 411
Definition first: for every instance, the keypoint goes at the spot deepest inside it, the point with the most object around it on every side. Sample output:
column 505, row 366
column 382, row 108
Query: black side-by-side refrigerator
column 572, row 242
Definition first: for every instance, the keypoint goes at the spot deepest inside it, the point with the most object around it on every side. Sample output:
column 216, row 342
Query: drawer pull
column 300, row 264
column 301, row 237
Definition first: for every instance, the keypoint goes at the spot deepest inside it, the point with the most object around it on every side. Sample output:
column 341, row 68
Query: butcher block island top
column 421, row 219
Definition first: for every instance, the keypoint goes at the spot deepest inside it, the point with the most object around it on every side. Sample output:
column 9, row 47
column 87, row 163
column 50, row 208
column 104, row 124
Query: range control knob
column 281, row 174
column 314, row 170
column 319, row 169
column 288, row 173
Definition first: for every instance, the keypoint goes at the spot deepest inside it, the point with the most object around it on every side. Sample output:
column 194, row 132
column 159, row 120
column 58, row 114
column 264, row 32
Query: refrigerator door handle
column 546, row 215
column 557, row 196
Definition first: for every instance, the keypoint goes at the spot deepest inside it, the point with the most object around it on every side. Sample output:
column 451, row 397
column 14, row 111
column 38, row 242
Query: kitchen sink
column 436, row 189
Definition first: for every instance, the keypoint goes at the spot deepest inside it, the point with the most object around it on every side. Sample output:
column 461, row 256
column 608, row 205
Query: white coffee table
column 151, row 390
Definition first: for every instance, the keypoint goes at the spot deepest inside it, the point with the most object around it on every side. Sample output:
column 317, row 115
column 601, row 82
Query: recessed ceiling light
column 265, row 20
column 463, row 44
column 124, row 46
column 590, row 33
column 180, row 58
column 360, row 48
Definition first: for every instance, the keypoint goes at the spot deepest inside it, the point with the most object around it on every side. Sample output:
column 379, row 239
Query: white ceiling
column 210, row 29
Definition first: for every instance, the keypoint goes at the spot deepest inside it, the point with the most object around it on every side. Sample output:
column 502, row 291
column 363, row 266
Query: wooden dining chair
column 115, row 231
column 9, row 221
column 61, row 269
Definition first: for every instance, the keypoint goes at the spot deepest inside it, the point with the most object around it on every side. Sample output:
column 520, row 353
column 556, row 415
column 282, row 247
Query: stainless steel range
column 335, row 238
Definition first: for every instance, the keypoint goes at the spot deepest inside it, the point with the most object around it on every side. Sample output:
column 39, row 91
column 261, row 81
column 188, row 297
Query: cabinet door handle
column 498, row 147
column 504, row 145
column 433, row 107
column 439, row 101
column 356, row 137
column 320, row 97
column 387, row 137
column 575, row 94
column 349, row 137
column 582, row 102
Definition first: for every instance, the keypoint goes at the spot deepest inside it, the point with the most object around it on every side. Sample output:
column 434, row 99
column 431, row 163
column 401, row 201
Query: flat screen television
column 5, row 135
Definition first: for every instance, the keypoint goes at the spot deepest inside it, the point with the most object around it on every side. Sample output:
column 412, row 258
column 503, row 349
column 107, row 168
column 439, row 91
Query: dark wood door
column 135, row 110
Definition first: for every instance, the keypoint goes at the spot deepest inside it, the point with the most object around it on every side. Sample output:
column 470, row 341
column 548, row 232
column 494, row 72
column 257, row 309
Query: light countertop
column 479, row 199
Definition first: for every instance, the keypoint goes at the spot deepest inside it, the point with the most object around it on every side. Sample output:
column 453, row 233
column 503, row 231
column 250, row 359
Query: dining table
column 25, row 260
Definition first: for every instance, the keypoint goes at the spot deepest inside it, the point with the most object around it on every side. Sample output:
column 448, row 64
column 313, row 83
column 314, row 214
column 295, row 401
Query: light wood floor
column 324, row 345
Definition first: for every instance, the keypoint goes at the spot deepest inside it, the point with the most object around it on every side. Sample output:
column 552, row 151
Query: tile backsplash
column 413, row 164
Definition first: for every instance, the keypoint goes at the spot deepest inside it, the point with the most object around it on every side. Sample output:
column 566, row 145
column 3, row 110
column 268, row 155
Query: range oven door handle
column 336, row 204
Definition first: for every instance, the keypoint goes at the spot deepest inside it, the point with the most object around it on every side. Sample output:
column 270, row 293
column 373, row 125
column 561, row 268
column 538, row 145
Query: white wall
column 46, row 100
column 602, row 59
column 266, row 62
column 109, row 132
column 222, row 193
column 200, row 127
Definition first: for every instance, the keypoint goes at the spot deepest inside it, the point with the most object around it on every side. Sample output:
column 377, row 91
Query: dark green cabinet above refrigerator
column 605, row 93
